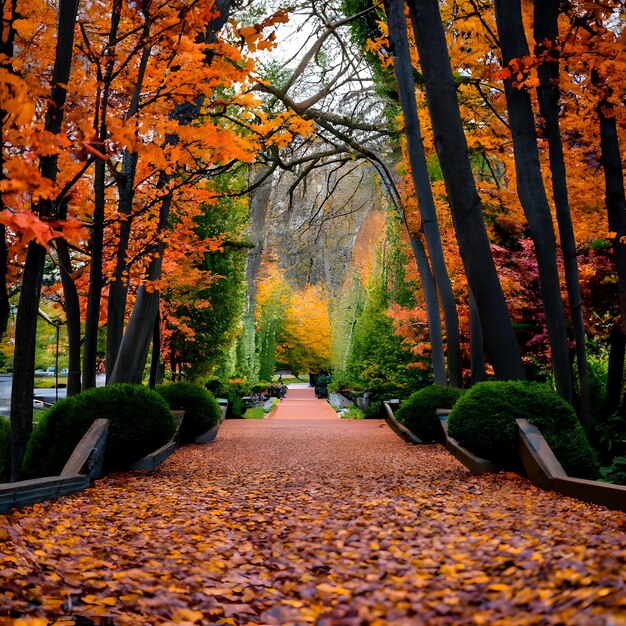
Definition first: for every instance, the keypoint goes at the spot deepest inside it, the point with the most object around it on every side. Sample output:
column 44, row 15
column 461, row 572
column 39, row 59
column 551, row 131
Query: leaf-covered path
column 321, row 521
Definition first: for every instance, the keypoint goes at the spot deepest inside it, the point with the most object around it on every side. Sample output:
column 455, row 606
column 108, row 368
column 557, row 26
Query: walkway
column 318, row 521
column 300, row 403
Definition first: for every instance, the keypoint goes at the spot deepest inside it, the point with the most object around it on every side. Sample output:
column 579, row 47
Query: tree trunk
column 92, row 318
column 260, row 179
column 24, row 356
column 404, row 77
column 477, row 354
column 429, row 288
column 433, row 315
column 532, row 193
column 5, row 309
column 118, row 289
column 616, row 210
column 546, row 28
column 133, row 352
column 156, row 353
column 72, row 317
column 26, row 322
column 615, row 375
column 497, row 331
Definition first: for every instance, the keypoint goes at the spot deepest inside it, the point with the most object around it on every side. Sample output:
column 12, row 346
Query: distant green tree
column 203, row 321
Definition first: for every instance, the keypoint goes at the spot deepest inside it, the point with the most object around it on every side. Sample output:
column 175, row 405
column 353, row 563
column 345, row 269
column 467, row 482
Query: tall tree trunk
column 118, row 289
column 429, row 288
column 92, row 318
column 156, row 353
column 260, row 181
column 133, row 352
column 26, row 322
column 24, row 356
column 616, row 209
column 72, row 316
column 433, row 315
column 477, row 354
column 421, row 182
column 532, row 193
column 5, row 309
column 614, row 381
column 498, row 336
column 546, row 28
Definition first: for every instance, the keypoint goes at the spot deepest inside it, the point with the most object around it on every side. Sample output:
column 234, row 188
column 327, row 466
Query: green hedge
column 233, row 391
column 140, row 422
column 5, row 450
column 202, row 411
column 483, row 420
column 419, row 411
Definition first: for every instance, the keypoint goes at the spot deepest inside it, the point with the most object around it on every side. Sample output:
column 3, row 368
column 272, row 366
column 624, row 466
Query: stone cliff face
column 311, row 230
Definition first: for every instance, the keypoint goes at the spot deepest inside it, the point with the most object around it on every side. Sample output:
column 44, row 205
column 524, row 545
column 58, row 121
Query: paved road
column 46, row 395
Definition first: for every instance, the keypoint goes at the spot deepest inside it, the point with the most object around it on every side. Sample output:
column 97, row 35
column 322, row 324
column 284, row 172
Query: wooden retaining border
column 84, row 465
column 155, row 458
column 474, row 463
column 27, row 492
column 545, row 471
column 209, row 435
column 400, row 429
column 88, row 456
column 223, row 408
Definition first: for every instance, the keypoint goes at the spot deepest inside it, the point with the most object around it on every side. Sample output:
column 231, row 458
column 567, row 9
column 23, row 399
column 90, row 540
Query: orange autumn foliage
column 592, row 55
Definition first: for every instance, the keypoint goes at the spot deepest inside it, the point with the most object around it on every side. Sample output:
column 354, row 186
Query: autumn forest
column 400, row 193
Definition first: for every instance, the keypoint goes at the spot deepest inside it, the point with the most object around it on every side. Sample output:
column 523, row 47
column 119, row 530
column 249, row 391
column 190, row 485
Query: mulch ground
column 323, row 521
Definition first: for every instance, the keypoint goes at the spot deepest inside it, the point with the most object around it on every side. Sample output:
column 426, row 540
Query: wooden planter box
column 545, row 471
column 400, row 429
column 84, row 465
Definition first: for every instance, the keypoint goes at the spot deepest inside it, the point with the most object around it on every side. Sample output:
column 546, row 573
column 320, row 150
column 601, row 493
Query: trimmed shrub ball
column 140, row 422
column 202, row 411
column 483, row 420
column 5, row 450
column 419, row 411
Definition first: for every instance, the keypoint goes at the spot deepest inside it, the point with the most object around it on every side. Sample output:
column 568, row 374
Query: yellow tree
column 306, row 343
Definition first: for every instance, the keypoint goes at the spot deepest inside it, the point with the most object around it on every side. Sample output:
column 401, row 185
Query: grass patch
column 353, row 413
column 255, row 413
column 287, row 380
column 48, row 382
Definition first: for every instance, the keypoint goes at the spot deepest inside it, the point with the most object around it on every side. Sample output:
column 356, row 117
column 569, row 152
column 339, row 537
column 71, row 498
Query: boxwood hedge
column 483, row 420
column 419, row 411
column 202, row 411
column 140, row 422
